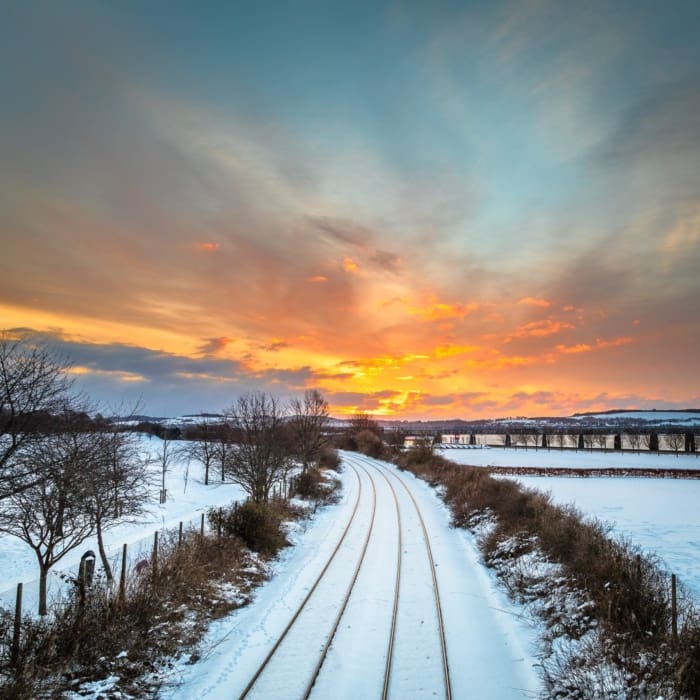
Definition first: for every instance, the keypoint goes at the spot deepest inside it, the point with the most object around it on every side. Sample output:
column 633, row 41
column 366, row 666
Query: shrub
column 628, row 590
column 165, row 609
column 329, row 459
column 259, row 525
column 311, row 485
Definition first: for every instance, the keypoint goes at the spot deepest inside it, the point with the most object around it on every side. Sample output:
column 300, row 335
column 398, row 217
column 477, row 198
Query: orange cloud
column 574, row 349
column 206, row 247
column 317, row 278
column 118, row 375
column 452, row 350
column 616, row 342
column 534, row 301
column 349, row 265
column 440, row 310
column 540, row 329
column 599, row 345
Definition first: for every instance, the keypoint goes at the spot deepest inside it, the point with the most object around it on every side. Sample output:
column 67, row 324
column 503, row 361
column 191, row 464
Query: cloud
column 386, row 260
column 443, row 310
column 541, row 329
column 349, row 265
column 213, row 346
column 206, row 247
column 533, row 301
column 341, row 230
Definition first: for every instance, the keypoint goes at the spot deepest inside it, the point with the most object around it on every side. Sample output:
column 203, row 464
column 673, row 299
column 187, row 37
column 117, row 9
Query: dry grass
column 165, row 609
column 628, row 591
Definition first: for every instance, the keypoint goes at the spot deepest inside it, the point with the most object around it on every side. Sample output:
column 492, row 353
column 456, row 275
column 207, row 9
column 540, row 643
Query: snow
column 659, row 515
column 488, row 644
column 18, row 562
column 520, row 457
column 691, row 418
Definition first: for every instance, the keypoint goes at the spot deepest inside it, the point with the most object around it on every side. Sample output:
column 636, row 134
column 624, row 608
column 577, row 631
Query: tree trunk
column 103, row 554
column 43, row 571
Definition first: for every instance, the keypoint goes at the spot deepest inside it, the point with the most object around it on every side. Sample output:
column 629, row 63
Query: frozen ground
column 660, row 515
column 489, row 647
column 520, row 457
column 18, row 562
column 691, row 418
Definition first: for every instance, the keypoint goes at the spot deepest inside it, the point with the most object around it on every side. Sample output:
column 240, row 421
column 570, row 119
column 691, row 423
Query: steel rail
column 334, row 629
column 397, row 588
column 436, row 590
column 301, row 607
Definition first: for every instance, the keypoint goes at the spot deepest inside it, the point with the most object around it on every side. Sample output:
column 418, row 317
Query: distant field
column 660, row 515
column 555, row 458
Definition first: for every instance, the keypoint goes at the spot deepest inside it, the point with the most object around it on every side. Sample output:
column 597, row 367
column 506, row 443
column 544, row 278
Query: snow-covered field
column 690, row 418
column 18, row 562
column 660, row 515
column 520, row 457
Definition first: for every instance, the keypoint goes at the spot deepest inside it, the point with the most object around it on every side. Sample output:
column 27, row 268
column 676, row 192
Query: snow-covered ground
column 690, row 418
column 520, row 457
column 489, row 647
column 185, row 503
column 660, row 515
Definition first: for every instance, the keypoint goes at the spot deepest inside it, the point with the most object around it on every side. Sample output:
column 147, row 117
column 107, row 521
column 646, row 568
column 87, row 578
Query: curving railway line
column 363, row 614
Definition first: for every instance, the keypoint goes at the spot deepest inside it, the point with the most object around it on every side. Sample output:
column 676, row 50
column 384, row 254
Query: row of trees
column 261, row 440
column 63, row 476
column 675, row 442
column 66, row 477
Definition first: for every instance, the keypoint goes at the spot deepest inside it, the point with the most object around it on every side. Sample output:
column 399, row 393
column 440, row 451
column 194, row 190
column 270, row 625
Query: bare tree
column 574, row 440
column 222, row 447
column 675, row 441
column 163, row 460
column 116, row 485
column 309, row 416
column 365, row 421
column 601, row 439
column 33, row 385
column 203, row 448
column 560, row 438
column 634, row 439
column 49, row 513
column 260, row 458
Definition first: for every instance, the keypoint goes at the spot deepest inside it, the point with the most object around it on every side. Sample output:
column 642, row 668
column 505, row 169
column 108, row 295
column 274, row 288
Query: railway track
column 365, row 462
column 265, row 665
column 393, row 481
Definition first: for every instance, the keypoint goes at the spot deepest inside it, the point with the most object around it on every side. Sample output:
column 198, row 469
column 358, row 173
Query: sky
column 423, row 210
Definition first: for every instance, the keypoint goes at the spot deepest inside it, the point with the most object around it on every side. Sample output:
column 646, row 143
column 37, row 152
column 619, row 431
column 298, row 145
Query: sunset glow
column 468, row 211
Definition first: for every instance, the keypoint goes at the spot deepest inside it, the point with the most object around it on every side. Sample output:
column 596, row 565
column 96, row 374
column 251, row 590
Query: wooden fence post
column 201, row 527
column 221, row 516
column 179, row 535
column 674, row 609
column 155, row 549
column 122, row 576
column 18, row 625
